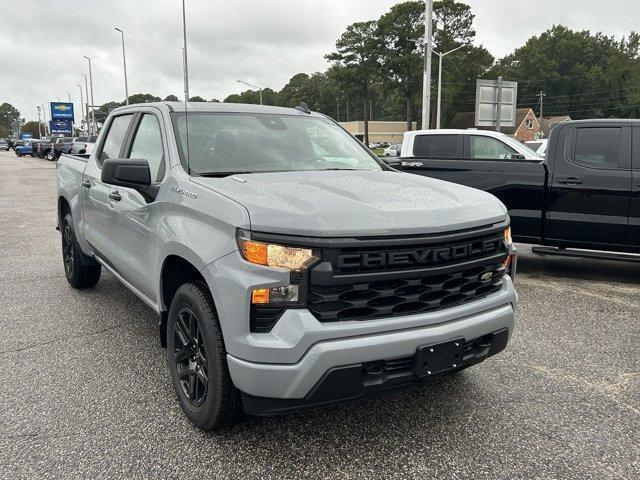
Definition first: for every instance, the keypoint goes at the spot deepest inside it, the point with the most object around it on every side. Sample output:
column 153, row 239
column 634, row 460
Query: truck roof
column 219, row 107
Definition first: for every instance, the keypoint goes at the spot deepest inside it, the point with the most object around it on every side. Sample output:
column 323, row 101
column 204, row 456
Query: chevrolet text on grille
column 420, row 256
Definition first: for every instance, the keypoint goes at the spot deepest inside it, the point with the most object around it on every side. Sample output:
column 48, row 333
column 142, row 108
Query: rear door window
column 598, row 147
column 489, row 148
column 438, row 146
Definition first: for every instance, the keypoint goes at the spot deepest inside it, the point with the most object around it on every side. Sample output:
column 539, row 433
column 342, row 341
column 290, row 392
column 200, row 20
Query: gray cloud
column 262, row 41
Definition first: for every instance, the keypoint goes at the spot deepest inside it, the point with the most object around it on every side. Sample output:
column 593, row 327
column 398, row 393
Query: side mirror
column 393, row 162
column 125, row 172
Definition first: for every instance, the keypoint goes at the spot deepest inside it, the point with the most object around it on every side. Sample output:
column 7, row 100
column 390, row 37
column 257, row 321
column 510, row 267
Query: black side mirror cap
column 393, row 162
column 125, row 172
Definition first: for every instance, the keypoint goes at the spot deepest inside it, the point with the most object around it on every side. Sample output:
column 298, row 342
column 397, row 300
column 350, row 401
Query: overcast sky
column 264, row 42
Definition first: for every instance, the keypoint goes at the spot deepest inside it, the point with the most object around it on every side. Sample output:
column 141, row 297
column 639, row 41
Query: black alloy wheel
column 68, row 256
column 190, row 357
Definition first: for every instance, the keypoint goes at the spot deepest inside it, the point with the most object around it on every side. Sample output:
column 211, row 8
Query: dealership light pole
column 441, row 55
column 39, row 122
column 81, row 100
column 93, row 113
column 253, row 86
column 69, row 96
column 428, row 47
column 184, row 54
column 86, row 106
column 44, row 114
column 124, row 62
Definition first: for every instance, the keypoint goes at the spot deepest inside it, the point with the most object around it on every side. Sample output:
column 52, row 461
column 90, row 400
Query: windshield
column 226, row 143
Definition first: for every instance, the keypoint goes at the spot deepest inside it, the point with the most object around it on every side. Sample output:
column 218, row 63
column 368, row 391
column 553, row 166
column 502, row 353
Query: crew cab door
column 634, row 211
column 96, row 204
column 131, row 215
column 590, row 189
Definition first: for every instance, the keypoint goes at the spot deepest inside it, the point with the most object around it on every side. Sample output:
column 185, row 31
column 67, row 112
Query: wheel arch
column 176, row 270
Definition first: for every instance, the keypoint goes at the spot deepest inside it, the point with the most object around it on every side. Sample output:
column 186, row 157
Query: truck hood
column 356, row 203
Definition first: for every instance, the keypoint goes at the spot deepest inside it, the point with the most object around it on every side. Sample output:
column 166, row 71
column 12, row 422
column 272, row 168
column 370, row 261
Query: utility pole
column 252, row 86
column 541, row 95
column 426, row 84
column 184, row 54
column 124, row 62
column 337, row 109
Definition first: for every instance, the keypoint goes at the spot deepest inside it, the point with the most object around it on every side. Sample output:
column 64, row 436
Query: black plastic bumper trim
column 342, row 384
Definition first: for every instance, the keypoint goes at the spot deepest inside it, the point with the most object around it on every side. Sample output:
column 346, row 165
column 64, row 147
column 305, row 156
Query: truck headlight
column 274, row 255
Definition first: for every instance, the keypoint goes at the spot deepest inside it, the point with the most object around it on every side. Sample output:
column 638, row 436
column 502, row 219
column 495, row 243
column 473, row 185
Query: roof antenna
column 303, row 108
column 186, row 82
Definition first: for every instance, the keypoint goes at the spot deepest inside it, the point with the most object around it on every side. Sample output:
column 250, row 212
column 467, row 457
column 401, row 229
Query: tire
column 50, row 155
column 18, row 153
column 78, row 269
column 195, row 353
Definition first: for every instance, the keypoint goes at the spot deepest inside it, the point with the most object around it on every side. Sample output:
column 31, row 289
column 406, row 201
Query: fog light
column 286, row 294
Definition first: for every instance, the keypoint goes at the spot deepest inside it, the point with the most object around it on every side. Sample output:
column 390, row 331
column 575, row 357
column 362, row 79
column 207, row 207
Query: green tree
column 9, row 116
column 197, row 99
column 583, row 75
column 400, row 39
column 357, row 51
column 171, row 98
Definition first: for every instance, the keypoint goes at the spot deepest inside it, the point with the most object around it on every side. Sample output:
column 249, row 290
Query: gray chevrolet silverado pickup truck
column 290, row 268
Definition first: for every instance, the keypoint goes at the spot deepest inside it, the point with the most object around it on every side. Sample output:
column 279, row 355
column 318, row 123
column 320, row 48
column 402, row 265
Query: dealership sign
column 61, row 110
column 61, row 127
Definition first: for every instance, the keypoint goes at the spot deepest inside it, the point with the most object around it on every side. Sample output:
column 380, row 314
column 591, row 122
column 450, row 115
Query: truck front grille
column 335, row 294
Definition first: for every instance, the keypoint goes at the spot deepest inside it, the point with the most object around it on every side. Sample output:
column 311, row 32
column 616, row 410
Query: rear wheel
column 18, row 153
column 78, row 268
column 198, row 361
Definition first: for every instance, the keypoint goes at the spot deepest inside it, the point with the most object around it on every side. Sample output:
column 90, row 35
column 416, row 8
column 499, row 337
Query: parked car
column 538, row 146
column 393, row 150
column 584, row 195
column 4, row 146
column 291, row 277
column 23, row 148
column 83, row 145
column 65, row 145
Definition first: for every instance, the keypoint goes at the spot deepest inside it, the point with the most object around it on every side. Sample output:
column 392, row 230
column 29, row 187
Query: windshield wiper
column 219, row 174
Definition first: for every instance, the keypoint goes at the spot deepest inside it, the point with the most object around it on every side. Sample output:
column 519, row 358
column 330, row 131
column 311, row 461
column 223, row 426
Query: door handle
column 570, row 181
column 115, row 196
column 86, row 183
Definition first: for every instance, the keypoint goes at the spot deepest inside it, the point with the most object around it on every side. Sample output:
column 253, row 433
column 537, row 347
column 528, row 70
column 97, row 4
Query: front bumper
column 296, row 381
column 289, row 362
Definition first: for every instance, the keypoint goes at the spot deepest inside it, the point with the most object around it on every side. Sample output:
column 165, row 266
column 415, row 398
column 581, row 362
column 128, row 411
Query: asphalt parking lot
column 85, row 392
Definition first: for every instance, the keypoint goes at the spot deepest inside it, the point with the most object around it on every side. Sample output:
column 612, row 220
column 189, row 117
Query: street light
column 253, row 86
column 93, row 113
column 86, row 90
column 44, row 114
column 39, row 122
column 124, row 62
column 69, row 96
column 441, row 55
column 81, row 100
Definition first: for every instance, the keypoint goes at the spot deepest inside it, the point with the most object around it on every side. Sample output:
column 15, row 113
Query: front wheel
column 198, row 361
column 18, row 153
column 78, row 269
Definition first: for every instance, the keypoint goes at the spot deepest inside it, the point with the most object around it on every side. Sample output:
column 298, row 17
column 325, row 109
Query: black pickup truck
column 585, row 194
